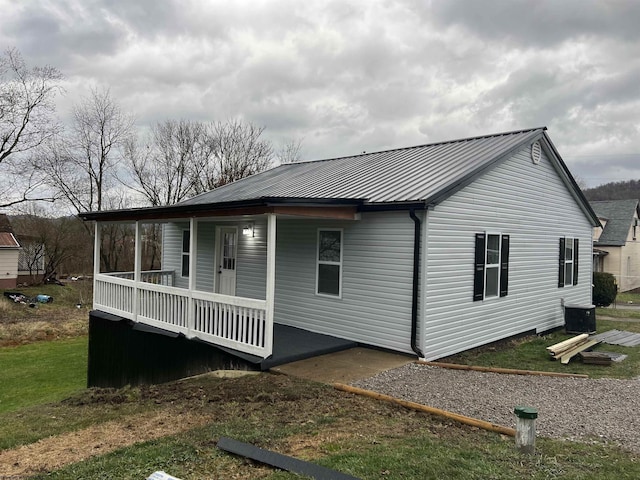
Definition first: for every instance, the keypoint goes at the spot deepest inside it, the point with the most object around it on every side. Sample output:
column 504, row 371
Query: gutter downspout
column 416, row 276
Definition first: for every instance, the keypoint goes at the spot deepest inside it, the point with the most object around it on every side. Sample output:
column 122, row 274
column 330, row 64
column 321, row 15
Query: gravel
column 605, row 410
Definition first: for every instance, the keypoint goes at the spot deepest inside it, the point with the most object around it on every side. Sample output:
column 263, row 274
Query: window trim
column 184, row 253
column 480, row 274
column 327, row 262
column 563, row 262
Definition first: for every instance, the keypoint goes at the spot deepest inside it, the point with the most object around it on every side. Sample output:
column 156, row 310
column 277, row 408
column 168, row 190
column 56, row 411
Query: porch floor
column 291, row 344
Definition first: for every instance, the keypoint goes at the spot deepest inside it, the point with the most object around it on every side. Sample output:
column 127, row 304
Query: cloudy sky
column 350, row 76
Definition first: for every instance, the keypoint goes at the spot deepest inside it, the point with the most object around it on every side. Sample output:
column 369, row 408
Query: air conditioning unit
column 580, row 318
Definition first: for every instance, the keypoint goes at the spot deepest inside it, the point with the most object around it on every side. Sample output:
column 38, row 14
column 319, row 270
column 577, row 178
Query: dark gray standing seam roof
column 619, row 215
column 415, row 174
column 419, row 176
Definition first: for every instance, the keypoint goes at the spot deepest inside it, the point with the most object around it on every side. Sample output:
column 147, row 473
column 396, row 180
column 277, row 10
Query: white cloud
column 349, row 76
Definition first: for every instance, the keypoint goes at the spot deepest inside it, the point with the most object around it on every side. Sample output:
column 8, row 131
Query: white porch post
column 97, row 242
column 137, row 275
column 193, row 253
column 271, row 281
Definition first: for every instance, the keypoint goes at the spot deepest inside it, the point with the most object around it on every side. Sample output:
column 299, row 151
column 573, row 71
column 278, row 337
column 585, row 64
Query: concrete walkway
column 345, row 366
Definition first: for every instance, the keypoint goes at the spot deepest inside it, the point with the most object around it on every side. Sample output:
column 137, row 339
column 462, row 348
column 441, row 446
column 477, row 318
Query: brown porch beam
column 336, row 213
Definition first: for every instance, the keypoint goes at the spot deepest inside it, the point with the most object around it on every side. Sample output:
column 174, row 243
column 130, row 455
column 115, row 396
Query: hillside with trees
column 614, row 191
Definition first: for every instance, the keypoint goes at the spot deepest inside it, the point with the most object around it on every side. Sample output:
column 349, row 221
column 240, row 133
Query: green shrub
column 605, row 289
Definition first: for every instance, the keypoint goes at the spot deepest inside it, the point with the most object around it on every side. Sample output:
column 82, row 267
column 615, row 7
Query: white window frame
column 569, row 241
column 184, row 254
column 492, row 265
column 327, row 262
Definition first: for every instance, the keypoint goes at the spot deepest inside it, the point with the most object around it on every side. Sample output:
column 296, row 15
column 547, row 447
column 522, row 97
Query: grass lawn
column 628, row 297
column 42, row 397
column 42, row 372
column 356, row 435
column 529, row 353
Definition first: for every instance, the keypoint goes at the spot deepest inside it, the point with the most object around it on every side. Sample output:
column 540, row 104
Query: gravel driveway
column 576, row 408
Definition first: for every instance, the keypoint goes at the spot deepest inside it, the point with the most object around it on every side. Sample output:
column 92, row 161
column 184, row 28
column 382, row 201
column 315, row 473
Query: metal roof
column 619, row 215
column 411, row 177
column 425, row 173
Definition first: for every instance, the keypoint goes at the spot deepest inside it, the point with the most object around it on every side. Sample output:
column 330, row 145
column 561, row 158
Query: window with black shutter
column 568, row 262
column 491, row 269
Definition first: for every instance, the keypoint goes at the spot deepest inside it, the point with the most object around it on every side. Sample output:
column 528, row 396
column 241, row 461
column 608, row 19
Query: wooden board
column 566, row 357
column 596, row 358
column 566, row 344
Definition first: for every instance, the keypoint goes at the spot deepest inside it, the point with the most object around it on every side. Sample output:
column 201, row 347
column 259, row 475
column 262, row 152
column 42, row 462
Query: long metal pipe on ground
column 432, row 410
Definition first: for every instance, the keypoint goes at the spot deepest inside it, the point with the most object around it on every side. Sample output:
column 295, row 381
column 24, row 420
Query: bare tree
column 290, row 151
column 183, row 158
column 237, row 151
column 26, row 121
column 54, row 243
column 81, row 165
column 165, row 169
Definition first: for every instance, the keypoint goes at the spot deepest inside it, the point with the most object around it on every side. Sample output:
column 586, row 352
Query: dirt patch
column 55, row 452
column 320, row 418
column 21, row 324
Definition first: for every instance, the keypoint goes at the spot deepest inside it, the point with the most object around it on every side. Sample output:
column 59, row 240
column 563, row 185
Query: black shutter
column 561, row 269
column 504, row 266
column 575, row 261
column 478, row 275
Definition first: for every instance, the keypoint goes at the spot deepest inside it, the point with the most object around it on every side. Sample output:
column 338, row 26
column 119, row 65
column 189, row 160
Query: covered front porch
column 185, row 296
column 207, row 278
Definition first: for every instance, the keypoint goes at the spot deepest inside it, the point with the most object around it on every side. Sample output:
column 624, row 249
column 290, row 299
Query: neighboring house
column 9, row 252
column 617, row 243
column 428, row 250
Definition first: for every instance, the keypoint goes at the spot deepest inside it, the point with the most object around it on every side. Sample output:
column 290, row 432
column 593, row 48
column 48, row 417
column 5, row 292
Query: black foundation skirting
column 124, row 353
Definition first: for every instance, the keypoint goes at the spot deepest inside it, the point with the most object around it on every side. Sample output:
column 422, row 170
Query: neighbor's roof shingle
column 415, row 174
column 619, row 215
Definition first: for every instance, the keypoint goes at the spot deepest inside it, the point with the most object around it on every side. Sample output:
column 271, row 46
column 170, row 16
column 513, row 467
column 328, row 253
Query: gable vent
column 535, row 153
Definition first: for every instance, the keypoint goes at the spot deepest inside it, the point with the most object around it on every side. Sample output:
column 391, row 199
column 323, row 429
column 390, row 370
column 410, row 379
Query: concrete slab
column 346, row 366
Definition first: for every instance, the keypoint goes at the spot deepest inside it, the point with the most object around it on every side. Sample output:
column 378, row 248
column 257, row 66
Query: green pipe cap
column 526, row 412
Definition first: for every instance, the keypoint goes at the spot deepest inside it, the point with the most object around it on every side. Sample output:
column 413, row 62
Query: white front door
column 226, row 258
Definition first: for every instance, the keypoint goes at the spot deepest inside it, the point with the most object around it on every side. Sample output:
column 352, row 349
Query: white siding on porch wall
column 251, row 276
column 531, row 204
column 172, row 251
column 375, row 307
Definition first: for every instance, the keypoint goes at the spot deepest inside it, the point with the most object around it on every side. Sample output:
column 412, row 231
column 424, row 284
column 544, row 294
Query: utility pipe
column 432, row 410
column 416, row 276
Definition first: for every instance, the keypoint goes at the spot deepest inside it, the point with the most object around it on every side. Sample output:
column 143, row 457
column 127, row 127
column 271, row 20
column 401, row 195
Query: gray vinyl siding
column 375, row 307
column 205, row 270
column 251, row 273
column 251, row 257
column 172, row 251
column 531, row 204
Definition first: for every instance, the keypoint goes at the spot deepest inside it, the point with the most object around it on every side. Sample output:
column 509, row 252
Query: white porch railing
column 234, row 322
column 158, row 277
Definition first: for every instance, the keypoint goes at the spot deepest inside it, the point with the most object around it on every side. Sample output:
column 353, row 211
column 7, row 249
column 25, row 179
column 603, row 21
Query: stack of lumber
column 596, row 358
column 565, row 351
